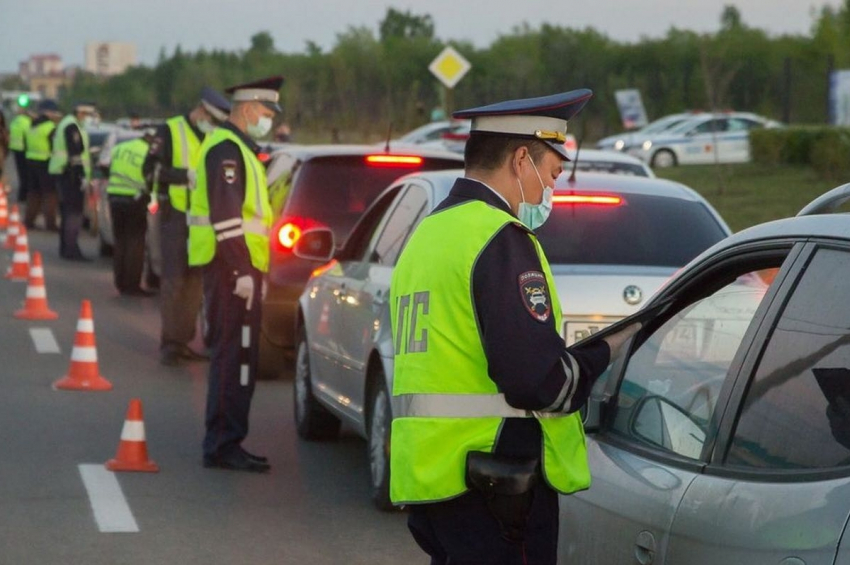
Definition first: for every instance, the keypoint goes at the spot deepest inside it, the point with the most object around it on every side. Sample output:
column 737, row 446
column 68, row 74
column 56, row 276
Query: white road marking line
column 44, row 341
column 111, row 511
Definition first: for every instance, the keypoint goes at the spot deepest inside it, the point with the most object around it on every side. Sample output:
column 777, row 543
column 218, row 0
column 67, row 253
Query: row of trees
column 367, row 82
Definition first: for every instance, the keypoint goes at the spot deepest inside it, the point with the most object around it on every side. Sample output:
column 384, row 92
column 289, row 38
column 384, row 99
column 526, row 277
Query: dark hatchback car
column 321, row 186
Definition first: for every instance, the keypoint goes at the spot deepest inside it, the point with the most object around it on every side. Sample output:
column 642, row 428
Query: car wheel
column 378, row 442
column 664, row 158
column 312, row 420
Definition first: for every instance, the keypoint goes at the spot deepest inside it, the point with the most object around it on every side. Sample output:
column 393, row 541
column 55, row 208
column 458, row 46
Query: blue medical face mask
column 535, row 215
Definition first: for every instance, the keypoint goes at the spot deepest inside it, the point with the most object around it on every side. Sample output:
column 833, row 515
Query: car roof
column 305, row 152
column 588, row 154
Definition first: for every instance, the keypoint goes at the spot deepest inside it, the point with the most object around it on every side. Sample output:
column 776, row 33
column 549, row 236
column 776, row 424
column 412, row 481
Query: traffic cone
column 35, row 305
column 83, row 373
column 20, row 268
column 14, row 228
column 133, row 449
column 4, row 211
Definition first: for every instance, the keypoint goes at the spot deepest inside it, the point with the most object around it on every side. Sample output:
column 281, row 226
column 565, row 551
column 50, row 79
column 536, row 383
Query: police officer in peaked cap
column 174, row 148
column 230, row 218
column 485, row 391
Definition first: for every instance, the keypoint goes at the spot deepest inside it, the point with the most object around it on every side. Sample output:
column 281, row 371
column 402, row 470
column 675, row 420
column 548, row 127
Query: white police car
column 622, row 141
column 706, row 138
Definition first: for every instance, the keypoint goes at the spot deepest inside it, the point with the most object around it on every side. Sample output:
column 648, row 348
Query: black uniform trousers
column 23, row 175
column 230, row 388
column 129, row 225
column 41, row 195
column 181, row 288
column 462, row 531
column 71, row 202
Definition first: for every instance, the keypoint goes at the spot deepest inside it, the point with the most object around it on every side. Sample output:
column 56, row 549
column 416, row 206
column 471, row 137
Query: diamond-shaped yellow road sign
column 449, row 67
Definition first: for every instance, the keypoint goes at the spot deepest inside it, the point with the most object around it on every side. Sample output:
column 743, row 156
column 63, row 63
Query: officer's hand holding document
column 620, row 332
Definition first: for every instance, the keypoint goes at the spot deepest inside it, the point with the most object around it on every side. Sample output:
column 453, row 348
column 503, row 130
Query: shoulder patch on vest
column 228, row 170
column 535, row 295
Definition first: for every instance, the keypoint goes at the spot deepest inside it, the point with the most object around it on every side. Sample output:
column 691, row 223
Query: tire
column 378, row 443
column 312, row 420
column 664, row 158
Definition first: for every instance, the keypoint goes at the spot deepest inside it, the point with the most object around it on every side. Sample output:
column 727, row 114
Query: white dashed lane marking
column 111, row 511
column 44, row 341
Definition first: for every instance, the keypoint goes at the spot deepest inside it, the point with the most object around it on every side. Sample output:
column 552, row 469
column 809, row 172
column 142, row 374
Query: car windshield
column 337, row 190
column 644, row 230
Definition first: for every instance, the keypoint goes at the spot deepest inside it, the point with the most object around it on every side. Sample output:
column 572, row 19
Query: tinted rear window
column 646, row 230
column 337, row 190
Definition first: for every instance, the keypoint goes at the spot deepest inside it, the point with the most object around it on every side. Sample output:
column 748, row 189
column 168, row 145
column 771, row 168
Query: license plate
column 577, row 331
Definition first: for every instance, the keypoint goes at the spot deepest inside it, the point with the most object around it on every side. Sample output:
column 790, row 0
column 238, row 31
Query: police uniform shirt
column 526, row 356
column 226, row 178
column 160, row 152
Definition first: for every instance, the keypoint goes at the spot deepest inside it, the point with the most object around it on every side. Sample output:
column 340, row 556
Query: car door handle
column 645, row 548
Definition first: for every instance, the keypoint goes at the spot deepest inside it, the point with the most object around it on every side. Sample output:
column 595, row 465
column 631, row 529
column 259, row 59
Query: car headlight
column 647, row 145
column 619, row 144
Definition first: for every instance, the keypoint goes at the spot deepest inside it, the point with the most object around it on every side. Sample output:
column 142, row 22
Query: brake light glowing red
column 588, row 199
column 263, row 157
column 393, row 160
column 288, row 235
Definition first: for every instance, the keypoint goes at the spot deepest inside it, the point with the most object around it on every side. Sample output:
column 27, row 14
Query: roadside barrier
column 20, row 268
column 35, row 304
column 132, row 449
column 83, row 373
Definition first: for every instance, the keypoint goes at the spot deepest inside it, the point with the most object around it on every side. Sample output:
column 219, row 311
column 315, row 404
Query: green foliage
column 365, row 82
column 825, row 149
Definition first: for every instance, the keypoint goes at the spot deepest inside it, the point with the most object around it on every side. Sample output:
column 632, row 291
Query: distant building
column 45, row 73
column 109, row 58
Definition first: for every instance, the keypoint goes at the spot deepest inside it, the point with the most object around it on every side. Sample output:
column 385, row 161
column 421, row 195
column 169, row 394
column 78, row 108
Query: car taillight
column 288, row 231
column 578, row 199
column 393, row 160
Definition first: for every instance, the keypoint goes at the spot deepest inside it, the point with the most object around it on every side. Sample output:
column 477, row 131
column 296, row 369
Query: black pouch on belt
column 507, row 485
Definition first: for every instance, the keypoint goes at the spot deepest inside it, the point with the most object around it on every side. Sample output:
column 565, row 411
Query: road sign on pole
column 449, row 66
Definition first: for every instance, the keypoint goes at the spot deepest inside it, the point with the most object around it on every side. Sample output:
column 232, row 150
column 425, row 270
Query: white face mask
column 535, row 215
column 261, row 128
column 205, row 126
column 88, row 121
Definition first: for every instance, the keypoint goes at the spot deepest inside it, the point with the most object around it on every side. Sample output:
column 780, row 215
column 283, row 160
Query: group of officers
column 486, row 432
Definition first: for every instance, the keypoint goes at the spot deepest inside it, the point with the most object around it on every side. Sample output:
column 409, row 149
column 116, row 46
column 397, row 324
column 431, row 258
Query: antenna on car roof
column 389, row 135
column 572, row 178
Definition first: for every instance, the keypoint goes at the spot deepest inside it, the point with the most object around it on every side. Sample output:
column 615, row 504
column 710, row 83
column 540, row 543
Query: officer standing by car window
column 128, row 205
column 486, row 430
column 18, row 128
column 70, row 167
column 229, row 222
column 172, row 152
column 41, row 192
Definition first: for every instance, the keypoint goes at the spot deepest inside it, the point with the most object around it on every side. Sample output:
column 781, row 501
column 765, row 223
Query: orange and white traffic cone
column 83, row 373
column 20, row 268
column 4, row 211
column 35, row 305
column 14, row 228
column 133, row 449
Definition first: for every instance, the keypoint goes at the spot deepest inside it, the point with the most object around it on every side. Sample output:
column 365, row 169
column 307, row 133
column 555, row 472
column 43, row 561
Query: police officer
column 18, row 128
column 485, row 391
column 128, row 199
column 230, row 218
column 70, row 166
column 172, row 152
column 39, row 141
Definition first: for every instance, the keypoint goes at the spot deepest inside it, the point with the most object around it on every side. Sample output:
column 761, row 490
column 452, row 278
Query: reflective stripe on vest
column 125, row 169
column 256, row 218
column 445, row 403
column 17, row 132
column 185, row 147
column 59, row 154
column 38, row 141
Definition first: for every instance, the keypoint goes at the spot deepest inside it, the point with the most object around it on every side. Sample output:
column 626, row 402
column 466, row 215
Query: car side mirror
column 316, row 244
column 659, row 422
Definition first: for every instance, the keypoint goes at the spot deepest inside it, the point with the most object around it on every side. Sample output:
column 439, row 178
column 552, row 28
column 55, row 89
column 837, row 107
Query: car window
column 796, row 411
column 357, row 244
column 336, row 190
column 642, row 230
column 671, row 384
column 743, row 124
column 612, row 167
column 412, row 207
column 711, row 126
